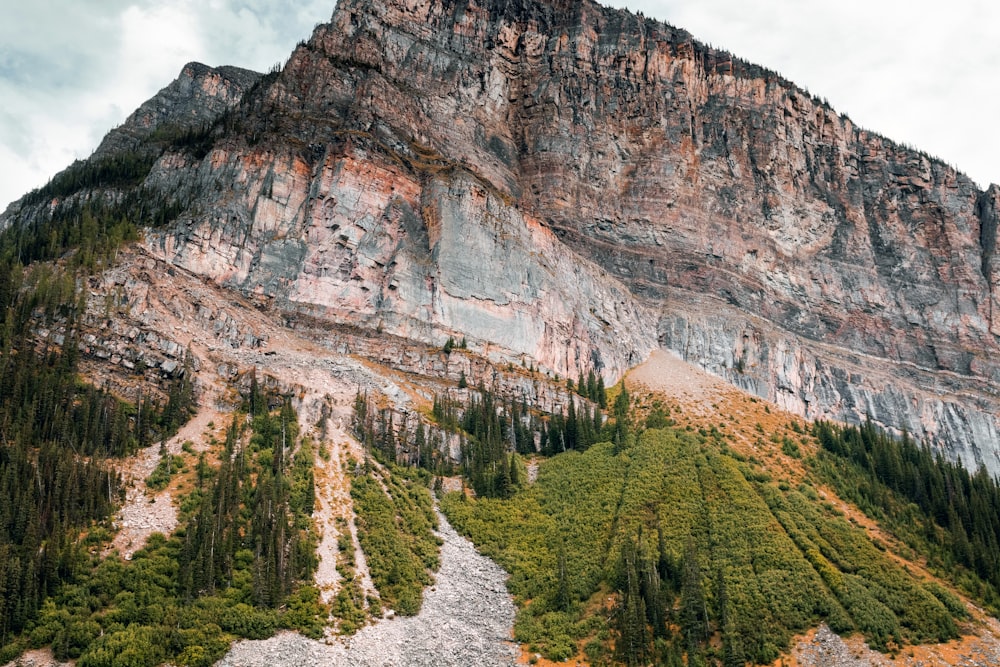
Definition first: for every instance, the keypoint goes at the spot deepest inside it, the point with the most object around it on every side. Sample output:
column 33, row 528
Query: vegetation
column 942, row 510
column 126, row 169
column 395, row 514
column 349, row 605
column 700, row 553
column 395, row 520
column 236, row 568
column 592, row 388
column 56, row 430
column 168, row 465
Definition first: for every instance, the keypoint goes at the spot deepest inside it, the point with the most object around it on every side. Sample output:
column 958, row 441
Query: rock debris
column 466, row 619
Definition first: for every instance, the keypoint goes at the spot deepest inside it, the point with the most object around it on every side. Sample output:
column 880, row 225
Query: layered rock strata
column 575, row 184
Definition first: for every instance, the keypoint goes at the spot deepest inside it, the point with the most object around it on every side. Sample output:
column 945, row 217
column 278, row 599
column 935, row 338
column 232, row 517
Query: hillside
column 723, row 502
column 252, row 345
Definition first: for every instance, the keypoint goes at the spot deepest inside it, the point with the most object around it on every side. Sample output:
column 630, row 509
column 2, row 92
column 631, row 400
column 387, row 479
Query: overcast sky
column 920, row 73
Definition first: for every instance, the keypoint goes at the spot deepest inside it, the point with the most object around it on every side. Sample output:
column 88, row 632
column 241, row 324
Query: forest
column 669, row 547
column 58, row 432
column 943, row 511
column 240, row 565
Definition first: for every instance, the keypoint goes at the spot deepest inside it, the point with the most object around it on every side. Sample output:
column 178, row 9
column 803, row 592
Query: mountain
column 435, row 237
column 578, row 185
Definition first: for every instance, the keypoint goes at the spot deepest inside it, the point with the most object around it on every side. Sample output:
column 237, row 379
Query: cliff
column 577, row 185
column 195, row 99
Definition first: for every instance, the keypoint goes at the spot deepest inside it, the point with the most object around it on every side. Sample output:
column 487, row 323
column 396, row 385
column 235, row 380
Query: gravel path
column 466, row 619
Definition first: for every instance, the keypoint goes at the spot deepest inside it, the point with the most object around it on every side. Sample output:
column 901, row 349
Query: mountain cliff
column 575, row 185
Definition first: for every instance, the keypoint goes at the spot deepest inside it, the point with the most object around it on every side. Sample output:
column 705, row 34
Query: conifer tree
column 693, row 611
column 632, row 643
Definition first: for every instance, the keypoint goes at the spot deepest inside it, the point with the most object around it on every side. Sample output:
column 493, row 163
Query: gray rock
column 466, row 619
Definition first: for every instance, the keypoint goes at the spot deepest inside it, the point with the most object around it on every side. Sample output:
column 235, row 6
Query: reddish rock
column 577, row 184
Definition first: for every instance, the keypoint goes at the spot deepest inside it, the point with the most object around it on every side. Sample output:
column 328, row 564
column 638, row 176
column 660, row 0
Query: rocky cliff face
column 575, row 184
column 195, row 99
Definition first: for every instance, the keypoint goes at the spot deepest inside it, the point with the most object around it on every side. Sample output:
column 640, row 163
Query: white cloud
column 72, row 70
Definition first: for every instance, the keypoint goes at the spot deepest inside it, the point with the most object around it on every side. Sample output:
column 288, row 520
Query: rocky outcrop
column 822, row 381
column 191, row 103
column 577, row 185
column 356, row 241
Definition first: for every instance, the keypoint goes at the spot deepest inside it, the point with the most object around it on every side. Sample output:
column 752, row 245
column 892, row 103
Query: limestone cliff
column 195, row 99
column 575, row 184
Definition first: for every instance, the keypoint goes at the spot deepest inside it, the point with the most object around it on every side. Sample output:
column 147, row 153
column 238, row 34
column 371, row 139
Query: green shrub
column 766, row 557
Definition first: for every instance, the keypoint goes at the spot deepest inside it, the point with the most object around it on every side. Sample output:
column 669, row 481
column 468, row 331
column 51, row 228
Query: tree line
column 491, row 429
column 959, row 510
column 57, row 431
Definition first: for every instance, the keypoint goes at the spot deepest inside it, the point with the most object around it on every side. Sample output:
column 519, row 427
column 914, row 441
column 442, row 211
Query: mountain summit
column 574, row 185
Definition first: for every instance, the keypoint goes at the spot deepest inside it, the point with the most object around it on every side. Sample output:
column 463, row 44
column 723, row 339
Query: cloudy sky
column 922, row 73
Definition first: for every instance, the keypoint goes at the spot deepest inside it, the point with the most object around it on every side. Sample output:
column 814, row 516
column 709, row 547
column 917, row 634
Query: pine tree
column 572, row 428
column 563, row 597
column 693, row 611
column 632, row 643
column 592, row 386
column 420, row 445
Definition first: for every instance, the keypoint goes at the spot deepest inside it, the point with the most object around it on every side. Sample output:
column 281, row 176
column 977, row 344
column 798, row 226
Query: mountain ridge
column 404, row 247
column 732, row 191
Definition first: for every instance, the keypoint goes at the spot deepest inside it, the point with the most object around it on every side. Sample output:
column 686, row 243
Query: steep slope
column 808, row 260
column 718, row 487
column 576, row 185
column 195, row 99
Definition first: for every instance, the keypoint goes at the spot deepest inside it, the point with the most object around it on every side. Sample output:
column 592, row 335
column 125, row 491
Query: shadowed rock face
column 576, row 184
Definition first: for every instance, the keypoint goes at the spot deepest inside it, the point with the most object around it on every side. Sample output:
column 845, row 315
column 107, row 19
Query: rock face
column 577, row 185
column 195, row 99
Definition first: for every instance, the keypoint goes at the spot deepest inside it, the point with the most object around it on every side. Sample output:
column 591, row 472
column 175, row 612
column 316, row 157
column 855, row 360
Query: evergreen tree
column 693, row 611
column 592, row 386
column 601, row 393
column 632, row 642
column 571, row 431
column 563, row 597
